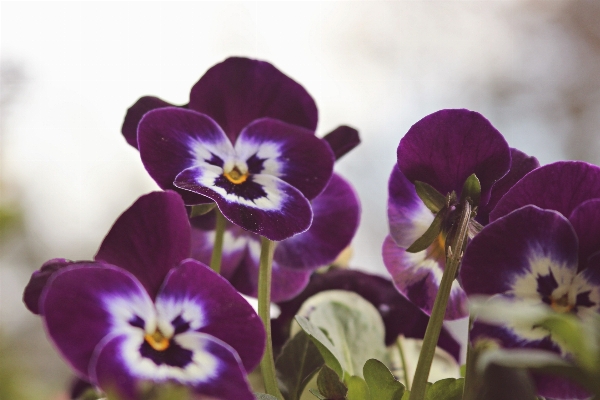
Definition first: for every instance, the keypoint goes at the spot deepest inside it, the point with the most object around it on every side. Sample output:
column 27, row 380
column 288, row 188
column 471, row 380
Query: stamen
column 157, row 340
column 561, row 305
column 235, row 176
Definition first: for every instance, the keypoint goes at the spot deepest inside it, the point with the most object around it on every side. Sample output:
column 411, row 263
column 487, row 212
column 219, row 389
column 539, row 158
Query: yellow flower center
column 235, row 176
column 157, row 340
column 561, row 305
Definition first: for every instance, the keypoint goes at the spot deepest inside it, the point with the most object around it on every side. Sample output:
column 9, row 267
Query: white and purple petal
column 200, row 300
column 417, row 276
column 289, row 152
column 446, row 147
column 149, row 238
column 239, row 90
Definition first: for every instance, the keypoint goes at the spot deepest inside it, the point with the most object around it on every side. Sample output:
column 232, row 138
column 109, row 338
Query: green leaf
column 430, row 234
column 433, row 199
column 329, row 353
column 298, row 362
column 446, row 389
column 570, row 334
column 358, row 389
column 201, row 209
column 471, row 189
column 353, row 325
column 381, row 382
column 329, row 384
column 264, row 396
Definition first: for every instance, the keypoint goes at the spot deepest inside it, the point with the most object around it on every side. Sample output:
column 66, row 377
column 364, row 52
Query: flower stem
column 267, row 364
column 469, row 386
column 217, row 253
column 403, row 361
column 436, row 320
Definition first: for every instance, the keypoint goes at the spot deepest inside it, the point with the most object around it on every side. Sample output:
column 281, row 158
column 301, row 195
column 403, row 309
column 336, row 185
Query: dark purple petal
column 586, row 222
column 289, row 152
column 341, row 140
column 38, row 280
column 218, row 371
column 587, row 284
column 76, row 307
column 521, row 164
column 526, row 252
column 400, row 316
column 446, row 147
column 78, row 387
column 173, row 139
column 135, row 114
column 408, row 216
column 226, row 315
column 336, row 213
column 149, row 238
column 239, row 91
column 263, row 204
column 417, row 276
column 560, row 186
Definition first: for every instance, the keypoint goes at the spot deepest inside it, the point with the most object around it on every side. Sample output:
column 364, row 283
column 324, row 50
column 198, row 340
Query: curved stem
column 267, row 364
column 217, row 253
column 436, row 320
column 403, row 361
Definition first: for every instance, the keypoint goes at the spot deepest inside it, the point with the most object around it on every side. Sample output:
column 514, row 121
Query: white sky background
column 376, row 66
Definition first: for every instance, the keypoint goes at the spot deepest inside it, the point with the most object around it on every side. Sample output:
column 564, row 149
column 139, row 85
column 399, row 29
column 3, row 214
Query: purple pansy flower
column 144, row 312
column 336, row 215
column 543, row 247
column 443, row 150
column 246, row 141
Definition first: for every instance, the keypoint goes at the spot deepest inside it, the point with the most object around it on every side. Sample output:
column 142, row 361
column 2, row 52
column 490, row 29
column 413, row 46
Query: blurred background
column 70, row 70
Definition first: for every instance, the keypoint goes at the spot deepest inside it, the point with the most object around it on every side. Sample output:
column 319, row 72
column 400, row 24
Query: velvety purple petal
column 173, row 139
column 263, row 204
column 521, row 164
column 418, row 277
column 38, row 280
column 341, row 140
column 149, row 238
column 523, row 253
column 587, row 288
column 215, row 369
column 400, row 316
column 288, row 152
column 135, row 114
column 408, row 216
column 239, row 91
column 226, row 315
column 336, row 213
column 446, row 147
column 560, row 186
column 76, row 307
column 586, row 222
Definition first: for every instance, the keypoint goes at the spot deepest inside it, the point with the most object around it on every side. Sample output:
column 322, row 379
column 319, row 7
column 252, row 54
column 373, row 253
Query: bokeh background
column 69, row 71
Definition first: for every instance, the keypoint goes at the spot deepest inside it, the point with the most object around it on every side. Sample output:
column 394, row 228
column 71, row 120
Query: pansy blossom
column 143, row 312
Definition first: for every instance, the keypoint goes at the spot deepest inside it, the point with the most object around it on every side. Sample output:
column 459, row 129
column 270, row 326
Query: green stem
column 403, row 361
column 217, row 253
column 267, row 364
column 434, row 327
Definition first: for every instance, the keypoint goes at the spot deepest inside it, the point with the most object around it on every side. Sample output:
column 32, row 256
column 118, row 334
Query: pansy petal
column 223, row 313
column 400, row 316
column 586, row 222
column 149, row 238
column 239, row 91
column 521, row 164
column 408, row 216
column 341, row 140
column 263, row 204
column 529, row 253
column 336, row 213
column 559, row 186
column 173, row 139
column 418, row 277
column 82, row 304
column 446, row 147
column 587, row 288
column 213, row 369
column 38, row 280
column 135, row 114
column 288, row 152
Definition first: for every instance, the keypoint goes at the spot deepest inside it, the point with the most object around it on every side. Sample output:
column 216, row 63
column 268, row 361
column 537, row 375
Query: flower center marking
column 561, row 305
column 157, row 340
column 235, row 176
